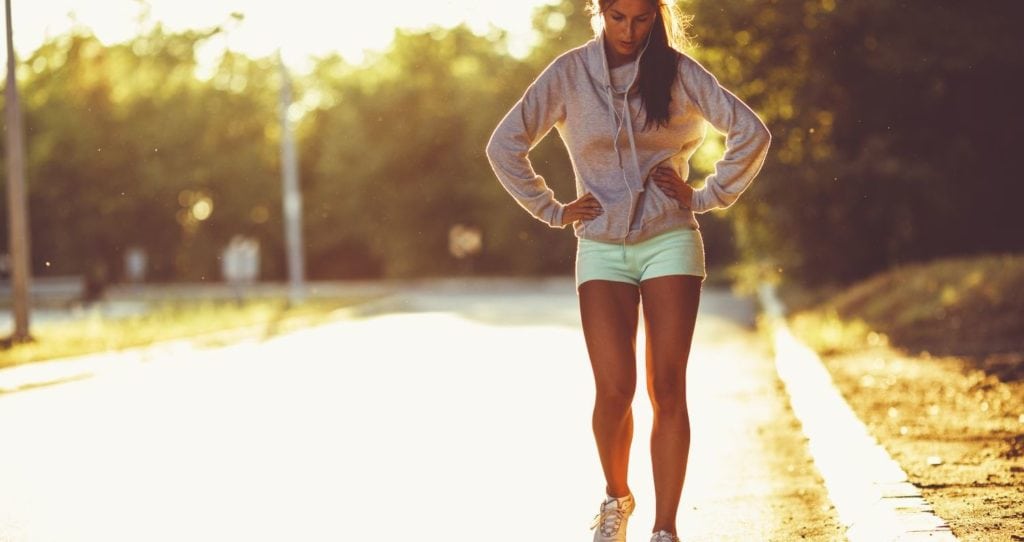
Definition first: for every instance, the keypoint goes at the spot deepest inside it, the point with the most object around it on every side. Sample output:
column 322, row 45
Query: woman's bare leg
column 670, row 313
column 609, row 313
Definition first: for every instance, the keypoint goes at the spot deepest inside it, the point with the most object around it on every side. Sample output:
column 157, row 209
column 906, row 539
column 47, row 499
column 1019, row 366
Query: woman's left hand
column 674, row 187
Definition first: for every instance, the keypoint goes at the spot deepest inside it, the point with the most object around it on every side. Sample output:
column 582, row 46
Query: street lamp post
column 291, row 196
column 17, row 206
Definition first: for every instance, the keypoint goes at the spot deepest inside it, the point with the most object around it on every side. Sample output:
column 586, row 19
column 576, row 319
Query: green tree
column 125, row 140
column 881, row 112
column 395, row 159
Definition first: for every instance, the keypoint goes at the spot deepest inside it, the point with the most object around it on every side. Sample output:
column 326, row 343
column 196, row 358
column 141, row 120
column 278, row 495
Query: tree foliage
column 124, row 140
column 888, row 146
column 894, row 125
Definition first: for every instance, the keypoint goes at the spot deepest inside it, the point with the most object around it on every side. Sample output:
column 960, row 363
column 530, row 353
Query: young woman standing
column 631, row 110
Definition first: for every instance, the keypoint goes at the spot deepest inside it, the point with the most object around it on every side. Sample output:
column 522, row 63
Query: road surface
column 453, row 412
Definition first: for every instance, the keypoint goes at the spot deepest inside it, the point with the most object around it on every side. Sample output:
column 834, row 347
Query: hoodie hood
column 597, row 61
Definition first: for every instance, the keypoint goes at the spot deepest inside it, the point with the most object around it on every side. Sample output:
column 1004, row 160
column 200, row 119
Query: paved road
column 452, row 413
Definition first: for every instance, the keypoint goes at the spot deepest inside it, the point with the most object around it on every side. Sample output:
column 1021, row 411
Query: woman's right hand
column 586, row 207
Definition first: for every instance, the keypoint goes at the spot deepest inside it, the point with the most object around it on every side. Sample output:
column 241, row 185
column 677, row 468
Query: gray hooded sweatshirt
column 613, row 159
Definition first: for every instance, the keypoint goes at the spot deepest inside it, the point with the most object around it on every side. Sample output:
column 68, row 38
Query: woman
column 631, row 110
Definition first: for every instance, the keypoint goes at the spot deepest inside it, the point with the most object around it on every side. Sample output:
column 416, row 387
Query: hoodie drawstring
column 625, row 119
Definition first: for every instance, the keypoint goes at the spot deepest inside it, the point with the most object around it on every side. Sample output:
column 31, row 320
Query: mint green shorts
column 676, row 252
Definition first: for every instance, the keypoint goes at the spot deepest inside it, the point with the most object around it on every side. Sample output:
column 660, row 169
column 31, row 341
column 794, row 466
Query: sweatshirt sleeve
column 747, row 138
column 525, row 125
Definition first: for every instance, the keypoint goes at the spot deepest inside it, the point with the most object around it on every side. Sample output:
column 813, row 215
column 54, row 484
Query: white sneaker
column 664, row 536
column 610, row 524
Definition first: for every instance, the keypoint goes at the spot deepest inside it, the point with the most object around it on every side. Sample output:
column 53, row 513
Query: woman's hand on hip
column 586, row 207
column 674, row 187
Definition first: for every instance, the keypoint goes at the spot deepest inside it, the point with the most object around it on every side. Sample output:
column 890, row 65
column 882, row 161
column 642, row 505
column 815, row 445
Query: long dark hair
column 660, row 60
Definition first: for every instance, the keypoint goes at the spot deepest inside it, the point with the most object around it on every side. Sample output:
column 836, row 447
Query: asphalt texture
column 449, row 411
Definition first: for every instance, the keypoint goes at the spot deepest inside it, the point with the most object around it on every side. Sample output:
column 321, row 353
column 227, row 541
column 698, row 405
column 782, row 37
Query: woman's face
column 627, row 24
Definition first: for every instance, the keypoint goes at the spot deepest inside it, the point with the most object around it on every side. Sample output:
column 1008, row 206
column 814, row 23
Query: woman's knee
column 616, row 397
column 668, row 395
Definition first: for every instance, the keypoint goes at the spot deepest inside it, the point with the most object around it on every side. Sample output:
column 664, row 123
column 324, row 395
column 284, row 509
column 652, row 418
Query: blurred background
column 154, row 146
column 152, row 133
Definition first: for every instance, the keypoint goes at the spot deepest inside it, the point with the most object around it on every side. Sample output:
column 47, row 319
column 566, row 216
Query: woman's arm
column 747, row 138
column 529, row 120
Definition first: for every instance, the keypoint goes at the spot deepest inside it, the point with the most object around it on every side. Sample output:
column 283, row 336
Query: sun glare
column 299, row 28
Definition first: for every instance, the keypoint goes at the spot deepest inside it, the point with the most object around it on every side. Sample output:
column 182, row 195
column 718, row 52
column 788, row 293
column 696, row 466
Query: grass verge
column 208, row 321
column 962, row 306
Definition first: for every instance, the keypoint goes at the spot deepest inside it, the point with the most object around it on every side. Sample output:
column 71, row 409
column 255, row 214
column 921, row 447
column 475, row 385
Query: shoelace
column 664, row 536
column 610, row 519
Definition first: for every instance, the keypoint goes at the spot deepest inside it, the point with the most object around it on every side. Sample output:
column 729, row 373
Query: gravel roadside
column 956, row 430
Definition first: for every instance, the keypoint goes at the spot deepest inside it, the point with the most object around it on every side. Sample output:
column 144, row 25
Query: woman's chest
column 595, row 122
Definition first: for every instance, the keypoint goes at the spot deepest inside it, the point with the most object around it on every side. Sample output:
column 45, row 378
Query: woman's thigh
column 670, row 313
column 610, row 311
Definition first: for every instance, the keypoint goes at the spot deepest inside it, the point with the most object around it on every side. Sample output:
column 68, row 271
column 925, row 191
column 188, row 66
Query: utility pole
column 17, row 207
column 291, row 197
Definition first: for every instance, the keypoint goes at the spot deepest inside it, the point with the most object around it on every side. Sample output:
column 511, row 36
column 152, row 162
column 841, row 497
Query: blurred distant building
column 135, row 261
column 240, row 260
